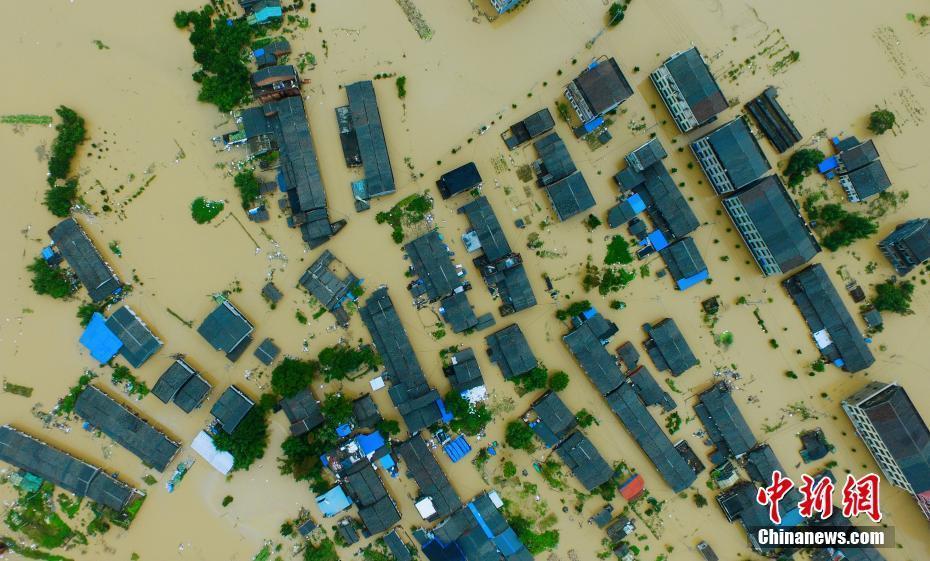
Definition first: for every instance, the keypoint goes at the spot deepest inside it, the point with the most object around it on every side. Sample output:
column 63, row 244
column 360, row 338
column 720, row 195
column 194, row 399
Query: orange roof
column 633, row 487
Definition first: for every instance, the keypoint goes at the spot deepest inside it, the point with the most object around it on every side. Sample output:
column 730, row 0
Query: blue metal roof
column 657, row 239
column 102, row 343
column 333, row 501
column 685, row 284
column 636, row 203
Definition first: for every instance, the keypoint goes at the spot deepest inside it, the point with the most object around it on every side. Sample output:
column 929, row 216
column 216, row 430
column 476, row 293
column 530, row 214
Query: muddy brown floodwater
column 135, row 91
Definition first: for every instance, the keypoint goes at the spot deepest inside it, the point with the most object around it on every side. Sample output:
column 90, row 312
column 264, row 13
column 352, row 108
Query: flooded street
column 126, row 69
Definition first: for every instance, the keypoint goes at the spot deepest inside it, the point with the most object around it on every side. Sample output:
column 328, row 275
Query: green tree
column 60, row 198
column 533, row 380
column 618, row 252
column 339, row 361
column 401, row 84
column 248, row 442
column 592, row 222
column 248, row 187
column 323, row 551
column 293, row 375
column 615, row 14
column 287, row 529
column 467, row 417
column 49, row 280
column 894, row 297
column 558, row 381
column 86, row 311
column 573, row 309
column 881, row 121
column 585, row 419
column 510, row 469
column 389, row 427
column 519, row 435
column 70, row 134
column 801, row 164
column 535, row 542
column 203, row 211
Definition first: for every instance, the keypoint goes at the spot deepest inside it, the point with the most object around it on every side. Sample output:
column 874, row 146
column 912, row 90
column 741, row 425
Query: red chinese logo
column 817, row 497
column 770, row 496
column 860, row 496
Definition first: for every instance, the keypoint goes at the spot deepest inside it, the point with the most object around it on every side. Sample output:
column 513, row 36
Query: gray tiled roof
column 774, row 122
column 600, row 366
column 667, row 207
column 509, row 349
column 869, row 180
column 365, row 412
column 760, row 463
column 859, row 155
column 375, row 506
column 583, row 459
column 460, row 179
column 464, row 372
column 642, row 426
column 322, row 281
column 724, row 423
column 65, row 471
column 226, row 328
column 427, row 473
column 904, row 433
column 139, row 343
column 84, row 260
column 557, row 421
column 302, row 411
column 181, row 383
column 536, row 124
column 556, row 160
column 431, row 262
column 649, row 390
column 697, row 84
column 738, row 152
column 668, row 349
column 379, row 179
column 570, row 196
column 908, row 245
column 231, row 407
column 822, row 309
column 485, row 224
column 777, row 221
column 397, row 547
column 267, row 351
column 603, row 86
column 683, row 259
column 409, row 391
column 457, row 311
column 126, row 428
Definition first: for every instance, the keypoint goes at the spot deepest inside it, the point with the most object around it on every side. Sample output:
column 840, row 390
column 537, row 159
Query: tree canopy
column 894, row 297
column 519, row 435
column 339, row 361
column 49, row 280
column 248, row 442
column 558, row 381
column 70, row 134
column 801, row 164
column 59, row 198
column 293, row 375
column 467, row 417
column 881, row 121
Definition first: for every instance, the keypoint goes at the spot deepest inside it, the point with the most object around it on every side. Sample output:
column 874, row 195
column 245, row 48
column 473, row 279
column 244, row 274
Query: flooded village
column 471, row 280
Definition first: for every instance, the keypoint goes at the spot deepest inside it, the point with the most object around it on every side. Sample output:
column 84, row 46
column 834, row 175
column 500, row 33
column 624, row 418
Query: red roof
column 633, row 487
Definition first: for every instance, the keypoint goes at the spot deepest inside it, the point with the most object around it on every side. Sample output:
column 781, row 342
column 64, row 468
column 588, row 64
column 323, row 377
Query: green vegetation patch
column 573, row 309
column 894, row 297
column 33, row 516
column 24, row 119
column 122, row 376
column 618, row 252
column 469, row 418
column 519, row 435
column 204, row 210
column 340, row 361
column 292, row 375
column 60, row 198
column 248, row 442
column 49, row 280
column 323, row 551
column 881, row 121
column 70, row 134
column 218, row 49
column 843, row 227
column 801, row 164
column 409, row 211
column 247, row 185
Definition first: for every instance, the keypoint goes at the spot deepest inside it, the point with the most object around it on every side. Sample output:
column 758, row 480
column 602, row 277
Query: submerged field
column 126, row 69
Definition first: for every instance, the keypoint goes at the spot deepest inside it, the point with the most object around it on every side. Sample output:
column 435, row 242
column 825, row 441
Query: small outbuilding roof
column 227, row 330
column 462, row 178
column 667, row 347
column 303, row 412
column 181, row 384
column 457, row 311
column 430, row 259
column 570, row 196
column 586, row 346
column 267, row 352
column 139, row 343
column 231, row 407
column 463, row 371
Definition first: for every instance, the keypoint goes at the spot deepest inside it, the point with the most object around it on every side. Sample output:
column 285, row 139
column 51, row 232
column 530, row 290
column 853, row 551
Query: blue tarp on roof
column 47, row 253
column 792, row 519
column 657, row 239
column 369, row 443
column 282, row 184
column 589, row 313
column 508, row 543
column 258, row 52
column 446, row 416
column 685, row 284
column 636, row 203
column 333, row 501
column 344, row 429
column 102, row 343
column 457, row 449
column 827, row 165
column 484, row 526
column 593, row 124
column 388, row 463
column 267, row 13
